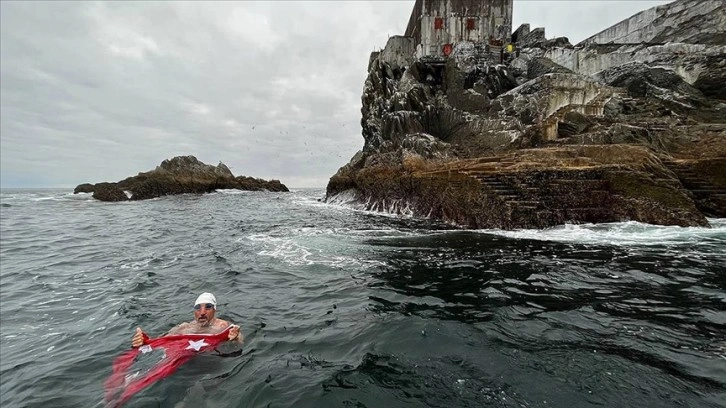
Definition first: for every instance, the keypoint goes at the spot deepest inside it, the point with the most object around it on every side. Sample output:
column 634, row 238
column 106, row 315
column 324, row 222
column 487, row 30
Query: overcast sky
column 98, row 91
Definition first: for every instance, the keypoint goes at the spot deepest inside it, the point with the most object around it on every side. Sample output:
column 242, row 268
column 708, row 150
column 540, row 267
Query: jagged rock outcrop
column 552, row 133
column 179, row 175
column 84, row 188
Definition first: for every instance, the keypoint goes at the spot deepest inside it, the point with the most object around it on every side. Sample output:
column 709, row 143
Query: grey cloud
column 99, row 91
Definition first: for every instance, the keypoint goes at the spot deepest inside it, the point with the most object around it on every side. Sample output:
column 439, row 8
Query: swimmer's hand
column 234, row 334
column 138, row 339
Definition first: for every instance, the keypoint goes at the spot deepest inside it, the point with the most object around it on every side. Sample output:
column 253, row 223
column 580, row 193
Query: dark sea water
column 343, row 308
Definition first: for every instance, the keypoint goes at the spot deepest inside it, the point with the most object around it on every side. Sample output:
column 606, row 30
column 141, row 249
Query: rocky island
column 469, row 122
column 179, row 175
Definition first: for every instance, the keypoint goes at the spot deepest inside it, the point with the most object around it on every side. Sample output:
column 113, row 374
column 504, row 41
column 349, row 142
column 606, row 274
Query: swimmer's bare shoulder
column 183, row 328
column 220, row 324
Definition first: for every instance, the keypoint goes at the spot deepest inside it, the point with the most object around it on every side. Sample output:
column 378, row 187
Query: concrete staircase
column 709, row 198
column 572, row 196
column 539, row 188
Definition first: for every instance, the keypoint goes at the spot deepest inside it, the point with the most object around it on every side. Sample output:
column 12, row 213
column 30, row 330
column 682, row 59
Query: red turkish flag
column 121, row 385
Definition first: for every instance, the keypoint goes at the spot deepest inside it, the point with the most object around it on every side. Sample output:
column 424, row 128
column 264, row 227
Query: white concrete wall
column 656, row 23
column 685, row 59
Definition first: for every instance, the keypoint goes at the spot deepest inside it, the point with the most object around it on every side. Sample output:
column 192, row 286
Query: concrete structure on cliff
column 437, row 25
column 685, row 36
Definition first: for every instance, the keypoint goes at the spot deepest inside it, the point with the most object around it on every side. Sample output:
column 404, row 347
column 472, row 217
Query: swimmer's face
column 204, row 313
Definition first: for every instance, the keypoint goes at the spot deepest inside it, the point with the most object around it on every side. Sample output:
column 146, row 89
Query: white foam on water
column 230, row 191
column 621, row 233
column 41, row 196
column 137, row 265
column 293, row 252
column 51, row 198
column 71, row 194
column 287, row 251
column 346, row 198
column 386, row 208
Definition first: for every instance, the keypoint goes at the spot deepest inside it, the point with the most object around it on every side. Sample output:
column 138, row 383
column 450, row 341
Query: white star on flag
column 196, row 345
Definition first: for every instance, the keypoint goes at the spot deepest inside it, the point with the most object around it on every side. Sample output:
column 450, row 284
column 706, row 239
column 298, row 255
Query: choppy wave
column 27, row 196
column 315, row 246
column 231, row 191
column 384, row 208
column 622, row 233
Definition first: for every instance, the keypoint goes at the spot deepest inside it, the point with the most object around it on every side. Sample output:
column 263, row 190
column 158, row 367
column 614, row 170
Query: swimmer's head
column 206, row 297
column 205, row 308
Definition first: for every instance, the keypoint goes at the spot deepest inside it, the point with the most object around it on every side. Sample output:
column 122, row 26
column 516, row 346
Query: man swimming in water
column 204, row 322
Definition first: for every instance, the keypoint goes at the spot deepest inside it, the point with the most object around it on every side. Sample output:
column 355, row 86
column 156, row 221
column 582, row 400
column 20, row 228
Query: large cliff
column 628, row 125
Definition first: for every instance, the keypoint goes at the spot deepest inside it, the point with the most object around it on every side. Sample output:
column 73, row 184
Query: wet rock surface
column 179, row 175
column 540, row 138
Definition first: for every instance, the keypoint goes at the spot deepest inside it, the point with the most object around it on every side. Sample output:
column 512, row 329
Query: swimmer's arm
column 235, row 334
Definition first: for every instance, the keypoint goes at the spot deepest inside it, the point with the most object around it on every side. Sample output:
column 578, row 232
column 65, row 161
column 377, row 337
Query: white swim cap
column 206, row 297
